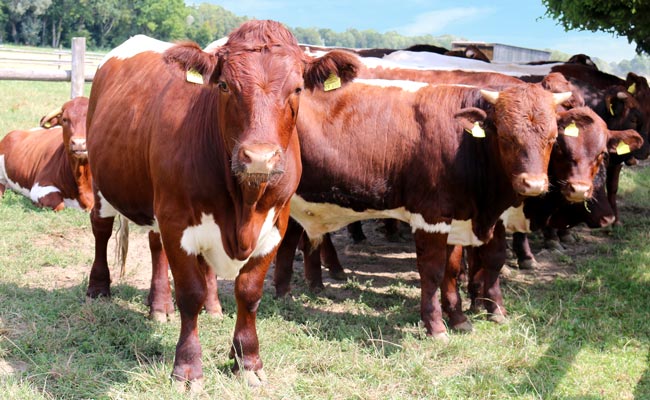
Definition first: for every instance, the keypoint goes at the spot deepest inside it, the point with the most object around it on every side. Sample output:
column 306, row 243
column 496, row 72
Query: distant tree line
column 107, row 23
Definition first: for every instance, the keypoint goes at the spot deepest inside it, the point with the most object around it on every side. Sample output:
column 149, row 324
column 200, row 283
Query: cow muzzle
column 530, row 184
column 577, row 192
column 257, row 163
column 78, row 148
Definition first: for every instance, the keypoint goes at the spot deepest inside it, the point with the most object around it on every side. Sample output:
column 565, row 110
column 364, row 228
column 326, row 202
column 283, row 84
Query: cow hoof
column 339, row 275
column 442, row 337
column 527, row 264
column 159, row 316
column 568, row 239
column 254, row 378
column 193, row 387
column 463, row 327
column 316, row 288
column 553, row 245
column 497, row 318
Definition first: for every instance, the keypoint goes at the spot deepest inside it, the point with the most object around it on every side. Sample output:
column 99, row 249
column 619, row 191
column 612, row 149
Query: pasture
column 578, row 327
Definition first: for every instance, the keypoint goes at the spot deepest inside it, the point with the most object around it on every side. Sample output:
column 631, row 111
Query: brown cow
column 414, row 163
column 204, row 148
column 50, row 166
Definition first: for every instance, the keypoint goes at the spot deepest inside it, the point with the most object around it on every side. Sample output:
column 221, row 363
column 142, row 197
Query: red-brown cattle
column 414, row 163
column 50, row 166
column 203, row 147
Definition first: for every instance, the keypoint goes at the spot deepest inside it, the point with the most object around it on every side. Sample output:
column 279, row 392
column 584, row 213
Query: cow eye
column 298, row 90
column 223, row 86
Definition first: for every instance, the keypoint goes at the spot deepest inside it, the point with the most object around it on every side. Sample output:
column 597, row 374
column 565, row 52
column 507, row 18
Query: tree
column 629, row 18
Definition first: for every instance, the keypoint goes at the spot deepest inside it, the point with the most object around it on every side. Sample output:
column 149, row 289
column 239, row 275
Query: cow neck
column 492, row 188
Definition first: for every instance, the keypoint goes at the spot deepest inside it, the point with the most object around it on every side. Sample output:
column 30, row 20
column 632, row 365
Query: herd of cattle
column 216, row 149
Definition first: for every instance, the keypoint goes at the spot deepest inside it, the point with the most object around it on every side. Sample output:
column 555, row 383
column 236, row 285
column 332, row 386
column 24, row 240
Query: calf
column 414, row 162
column 50, row 165
column 202, row 148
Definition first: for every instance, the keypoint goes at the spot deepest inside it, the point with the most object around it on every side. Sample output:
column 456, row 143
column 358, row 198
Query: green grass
column 586, row 336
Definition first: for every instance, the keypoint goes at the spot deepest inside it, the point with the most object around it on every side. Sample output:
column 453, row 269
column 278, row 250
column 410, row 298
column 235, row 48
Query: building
column 503, row 53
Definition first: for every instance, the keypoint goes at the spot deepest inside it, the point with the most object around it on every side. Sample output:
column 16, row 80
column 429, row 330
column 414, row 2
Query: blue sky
column 518, row 23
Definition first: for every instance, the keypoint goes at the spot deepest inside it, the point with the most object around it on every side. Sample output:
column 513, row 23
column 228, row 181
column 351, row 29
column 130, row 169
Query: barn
column 504, row 53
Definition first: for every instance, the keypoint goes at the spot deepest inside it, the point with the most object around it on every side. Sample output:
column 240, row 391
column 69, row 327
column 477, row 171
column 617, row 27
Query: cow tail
column 122, row 244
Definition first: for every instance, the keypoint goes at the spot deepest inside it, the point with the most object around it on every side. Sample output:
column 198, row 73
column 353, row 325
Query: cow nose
column 260, row 158
column 531, row 184
column 78, row 144
column 578, row 192
column 607, row 221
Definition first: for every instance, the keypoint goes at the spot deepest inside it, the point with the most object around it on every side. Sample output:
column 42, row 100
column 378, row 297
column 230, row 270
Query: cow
column 414, row 163
column 202, row 148
column 49, row 165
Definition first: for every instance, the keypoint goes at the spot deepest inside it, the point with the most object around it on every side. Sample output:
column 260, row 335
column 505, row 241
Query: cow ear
column 623, row 142
column 190, row 62
column 337, row 63
column 615, row 102
column 470, row 117
column 52, row 118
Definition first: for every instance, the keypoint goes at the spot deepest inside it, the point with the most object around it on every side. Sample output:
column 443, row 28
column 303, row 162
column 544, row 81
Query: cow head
column 581, row 147
column 72, row 118
column 525, row 120
column 257, row 77
column 637, row 86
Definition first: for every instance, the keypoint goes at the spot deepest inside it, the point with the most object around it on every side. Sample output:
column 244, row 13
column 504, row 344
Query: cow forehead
column 253, row 66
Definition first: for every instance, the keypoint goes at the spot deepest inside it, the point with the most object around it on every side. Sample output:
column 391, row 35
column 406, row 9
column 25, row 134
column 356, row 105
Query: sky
column 516, row 23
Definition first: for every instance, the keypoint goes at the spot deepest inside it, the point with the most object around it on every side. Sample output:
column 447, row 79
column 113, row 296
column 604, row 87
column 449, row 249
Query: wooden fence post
column 77, row 77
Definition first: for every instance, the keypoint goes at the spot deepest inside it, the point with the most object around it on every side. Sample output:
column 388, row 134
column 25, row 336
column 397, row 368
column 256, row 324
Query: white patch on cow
column 205, row 239
column 72, row 203
column 39, row 191
column 514, row 220
column 320, row 218
column 409, row 86
column 462, row 234
column 5, row 180
column 106, row 210
column 136, row 45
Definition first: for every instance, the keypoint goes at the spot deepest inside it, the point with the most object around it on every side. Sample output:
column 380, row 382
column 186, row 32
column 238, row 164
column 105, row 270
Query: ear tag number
column 622, row 148
column 193, row 76
column 571, row 130
column 332, row 82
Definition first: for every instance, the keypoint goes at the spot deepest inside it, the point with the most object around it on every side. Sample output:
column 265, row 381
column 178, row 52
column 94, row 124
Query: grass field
column 578, row 329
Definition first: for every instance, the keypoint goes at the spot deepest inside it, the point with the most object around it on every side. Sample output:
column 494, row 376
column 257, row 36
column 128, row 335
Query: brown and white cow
column 203, row 147
column 50, row 165
column 393, row 149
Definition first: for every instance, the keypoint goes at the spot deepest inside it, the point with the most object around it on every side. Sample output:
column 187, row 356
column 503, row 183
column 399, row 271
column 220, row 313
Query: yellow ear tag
column 622, row 148
column 611, row 109
column 476, row 131
column 332, row 82
column 571, row 130
column 47, row 125
column 632, row 89
column 193, row 76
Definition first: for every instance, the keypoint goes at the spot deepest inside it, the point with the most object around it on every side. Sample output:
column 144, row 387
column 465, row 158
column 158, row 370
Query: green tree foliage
column 629, row 18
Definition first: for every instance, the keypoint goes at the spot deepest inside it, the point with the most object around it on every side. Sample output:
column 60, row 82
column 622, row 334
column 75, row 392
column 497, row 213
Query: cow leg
column 551, row 239
column 613, row 174
column 2, row 189
column 391, row 230
column 330, row 259
column 284, row 259
column 485, row 266
column 312, row 266
column 431, row 252
column 521, row 247
column 450, row 294
column 212, row 303
column 191, row 292
column 99, row 282
column 248, row 294
column 355, row 231
column 52, row 200
column 565, row 236
column 159, row 300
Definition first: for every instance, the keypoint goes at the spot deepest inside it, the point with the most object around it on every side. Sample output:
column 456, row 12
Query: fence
column 76, row 66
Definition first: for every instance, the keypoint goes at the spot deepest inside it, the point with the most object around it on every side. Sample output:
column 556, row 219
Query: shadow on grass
column 67, row 343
